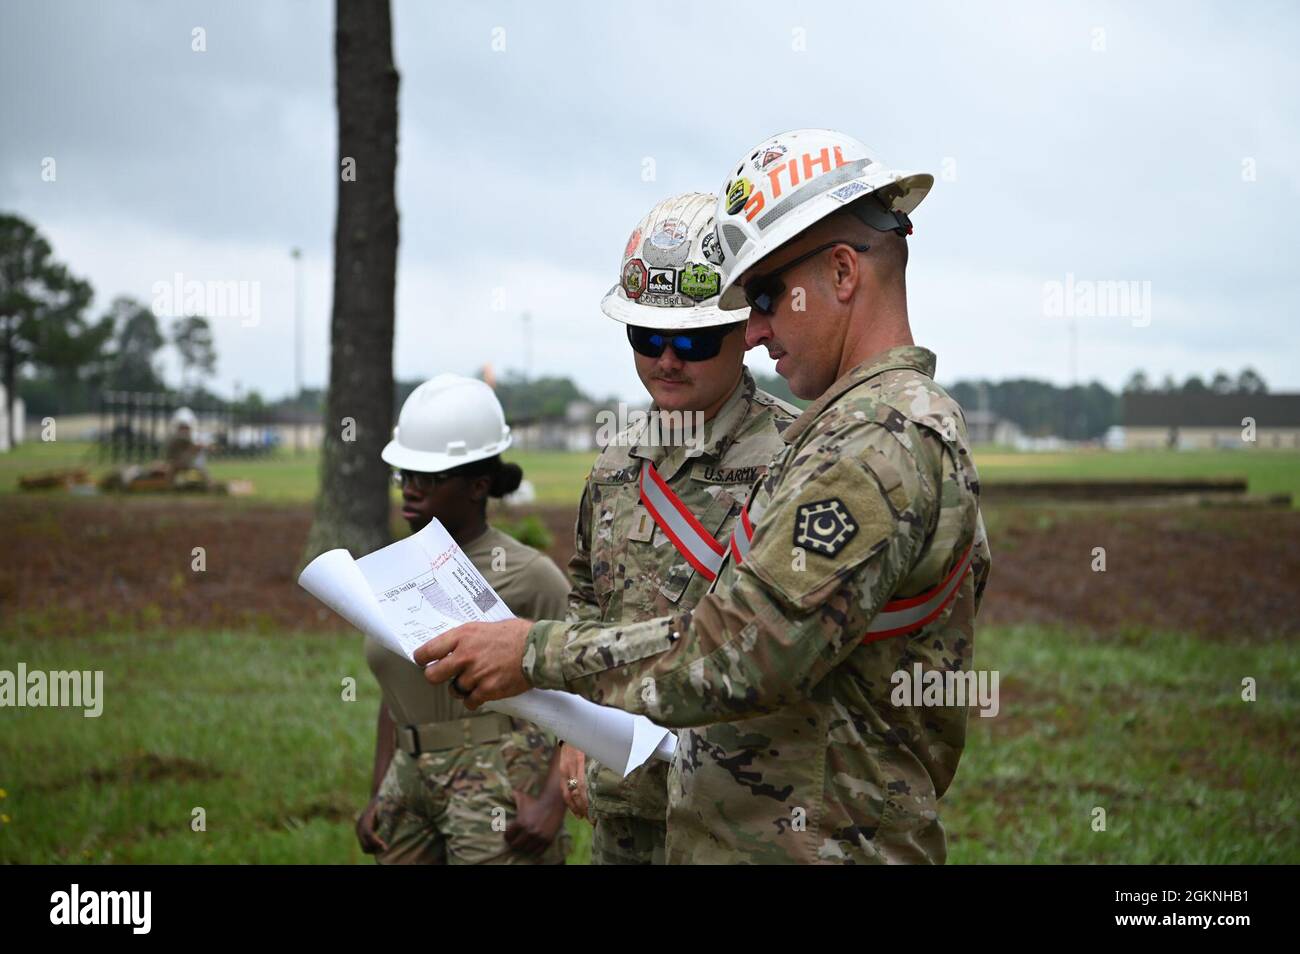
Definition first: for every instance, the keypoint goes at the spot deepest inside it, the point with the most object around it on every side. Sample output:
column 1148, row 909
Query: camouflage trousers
column 627, row 840
column 452, row 806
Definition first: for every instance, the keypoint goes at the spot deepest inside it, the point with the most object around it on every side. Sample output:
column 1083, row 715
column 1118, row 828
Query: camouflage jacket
column 794, row 749
column 625, row 569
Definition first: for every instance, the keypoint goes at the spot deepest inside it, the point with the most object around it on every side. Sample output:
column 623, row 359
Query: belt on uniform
column 453, row 734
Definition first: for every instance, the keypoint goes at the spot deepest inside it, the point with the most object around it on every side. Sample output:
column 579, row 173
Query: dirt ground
column 69, row 565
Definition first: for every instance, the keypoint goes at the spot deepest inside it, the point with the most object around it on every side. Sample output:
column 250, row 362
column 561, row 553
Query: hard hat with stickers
column 671, row 270
column 788, row 182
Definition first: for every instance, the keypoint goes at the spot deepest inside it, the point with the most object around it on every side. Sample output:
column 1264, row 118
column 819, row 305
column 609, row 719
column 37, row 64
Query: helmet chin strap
column 872, row 212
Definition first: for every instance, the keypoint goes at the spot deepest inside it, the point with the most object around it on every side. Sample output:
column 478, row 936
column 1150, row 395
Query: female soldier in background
column 451, row 786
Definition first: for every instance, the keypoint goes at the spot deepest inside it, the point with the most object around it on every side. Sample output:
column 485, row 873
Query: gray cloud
column 522, row 169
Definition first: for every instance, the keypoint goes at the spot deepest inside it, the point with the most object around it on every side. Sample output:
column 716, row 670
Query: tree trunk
column 9, row 374
column 352, row 509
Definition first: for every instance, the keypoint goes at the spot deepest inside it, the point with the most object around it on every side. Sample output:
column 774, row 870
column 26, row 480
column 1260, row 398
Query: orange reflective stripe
column 677, row 522
column 742, row 535
column 916, row 612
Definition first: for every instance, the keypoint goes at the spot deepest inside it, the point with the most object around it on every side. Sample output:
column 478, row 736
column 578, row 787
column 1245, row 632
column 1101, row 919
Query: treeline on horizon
column 60, row 359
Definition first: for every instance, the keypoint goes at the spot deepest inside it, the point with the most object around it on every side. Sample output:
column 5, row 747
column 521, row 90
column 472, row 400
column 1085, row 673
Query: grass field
column 254, row 730
column 289, row 478
column 1267, row 471
column 558, row 476
column 1145, row 723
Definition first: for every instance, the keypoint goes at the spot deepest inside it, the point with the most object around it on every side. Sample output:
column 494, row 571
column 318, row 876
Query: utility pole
column 1072, row 330
column 527, row 320
column 296, row 255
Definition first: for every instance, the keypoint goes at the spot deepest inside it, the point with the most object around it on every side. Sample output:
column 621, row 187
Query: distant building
column 1205, row 420
column 575, row 432
column 985, row 427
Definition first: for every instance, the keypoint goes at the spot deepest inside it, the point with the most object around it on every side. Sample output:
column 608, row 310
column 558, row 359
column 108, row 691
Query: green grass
column 253, row 729
column 558, row 476
column 1150, row 727
column 1267, row 471
column 288, row 478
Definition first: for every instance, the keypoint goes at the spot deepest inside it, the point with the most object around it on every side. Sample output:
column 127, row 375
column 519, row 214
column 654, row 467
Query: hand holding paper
column 485, row 660
column 414, row 595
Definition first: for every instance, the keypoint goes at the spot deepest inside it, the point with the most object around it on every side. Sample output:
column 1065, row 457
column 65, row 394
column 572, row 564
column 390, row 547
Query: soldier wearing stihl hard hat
column 860, row 570
column 663, row 498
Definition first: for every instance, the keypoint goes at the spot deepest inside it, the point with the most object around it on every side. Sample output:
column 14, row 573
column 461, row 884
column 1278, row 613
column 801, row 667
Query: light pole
column 296, row 255
column 527, row 320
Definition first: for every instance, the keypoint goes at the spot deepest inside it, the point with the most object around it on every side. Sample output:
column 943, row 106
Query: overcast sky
column 1086, row 142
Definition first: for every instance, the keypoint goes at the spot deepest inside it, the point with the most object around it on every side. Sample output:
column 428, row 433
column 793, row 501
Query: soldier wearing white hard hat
column 660, row 504
column 443, row 775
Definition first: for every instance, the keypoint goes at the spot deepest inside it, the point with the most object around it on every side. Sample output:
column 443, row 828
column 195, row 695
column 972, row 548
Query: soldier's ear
column 480, row 488
column 846, row 273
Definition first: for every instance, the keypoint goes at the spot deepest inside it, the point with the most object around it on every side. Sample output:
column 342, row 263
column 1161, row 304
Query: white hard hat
column 669, row 276
column 184, row 417
column 794, row 179
column 447, row 421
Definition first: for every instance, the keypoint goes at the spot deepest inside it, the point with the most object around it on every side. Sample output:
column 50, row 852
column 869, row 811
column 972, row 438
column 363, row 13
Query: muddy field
column 77, row 566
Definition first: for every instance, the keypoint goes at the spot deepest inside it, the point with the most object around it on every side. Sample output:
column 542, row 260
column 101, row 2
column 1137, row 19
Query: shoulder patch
column 825, row 526
column 817, row 534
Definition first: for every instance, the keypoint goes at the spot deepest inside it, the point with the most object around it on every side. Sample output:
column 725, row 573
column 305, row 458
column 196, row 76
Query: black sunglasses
column 763, row 291
column 696, row 344
column 423, row 482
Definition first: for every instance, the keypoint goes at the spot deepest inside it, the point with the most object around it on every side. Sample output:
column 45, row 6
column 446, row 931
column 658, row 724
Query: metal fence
column 134, row 426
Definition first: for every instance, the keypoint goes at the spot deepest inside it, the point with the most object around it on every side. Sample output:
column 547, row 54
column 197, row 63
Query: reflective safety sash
column 908, row 615
column 897, row 616
column 675, row 519
column 741, row 537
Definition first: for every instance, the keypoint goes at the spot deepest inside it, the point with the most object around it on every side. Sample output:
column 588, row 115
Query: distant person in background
column 182, row 452
column 451, row 786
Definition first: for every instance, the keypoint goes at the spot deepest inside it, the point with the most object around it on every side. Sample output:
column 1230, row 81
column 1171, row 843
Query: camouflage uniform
column 452, row 802
column 452, row 806
column 793, row 750
column 625, row 569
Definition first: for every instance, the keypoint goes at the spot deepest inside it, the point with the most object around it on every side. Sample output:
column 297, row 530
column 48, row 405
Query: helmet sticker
column 712, row 248
column 634, row 278
column 699, row 281
column 670, row 234
column 768, row 156
column 633, row 241
column 663, row 281
column 841, row 175
column 846, row 192
column 737, row 192
column 667, row 247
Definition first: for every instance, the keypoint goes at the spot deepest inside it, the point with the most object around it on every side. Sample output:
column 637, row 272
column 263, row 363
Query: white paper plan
column 421, row 586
